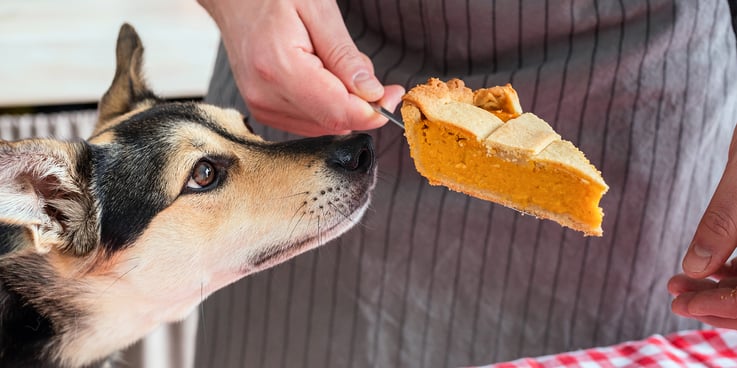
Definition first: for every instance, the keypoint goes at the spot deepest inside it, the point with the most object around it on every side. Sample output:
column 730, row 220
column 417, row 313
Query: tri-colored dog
column 105, row 239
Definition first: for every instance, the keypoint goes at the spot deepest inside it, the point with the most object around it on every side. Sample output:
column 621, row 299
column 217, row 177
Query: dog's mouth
column 281, row 252
column 336, row 194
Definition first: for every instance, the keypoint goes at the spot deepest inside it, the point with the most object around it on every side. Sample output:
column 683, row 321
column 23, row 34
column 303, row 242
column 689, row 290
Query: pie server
column 387, row 114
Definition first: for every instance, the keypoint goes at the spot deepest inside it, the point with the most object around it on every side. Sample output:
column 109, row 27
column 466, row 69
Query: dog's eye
column 203, row 176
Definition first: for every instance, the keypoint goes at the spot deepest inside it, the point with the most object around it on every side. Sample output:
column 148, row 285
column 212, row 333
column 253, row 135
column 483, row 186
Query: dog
column 103, row 240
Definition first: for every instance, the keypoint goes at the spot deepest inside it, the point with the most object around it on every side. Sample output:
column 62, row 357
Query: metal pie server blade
column 387, row 114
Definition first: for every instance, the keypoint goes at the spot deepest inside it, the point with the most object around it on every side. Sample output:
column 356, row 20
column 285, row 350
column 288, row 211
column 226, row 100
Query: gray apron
column 433, row 278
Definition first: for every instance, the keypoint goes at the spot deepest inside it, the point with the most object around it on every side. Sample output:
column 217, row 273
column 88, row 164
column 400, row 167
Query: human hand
column 297, row 67
column 712, row 301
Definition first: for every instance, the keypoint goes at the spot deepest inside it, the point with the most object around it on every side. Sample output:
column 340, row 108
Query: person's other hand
column 709, row 301
column 297, row 67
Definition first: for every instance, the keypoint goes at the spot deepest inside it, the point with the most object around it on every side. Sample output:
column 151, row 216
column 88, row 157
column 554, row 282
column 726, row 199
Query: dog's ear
column 45, row 188
column 128, row 90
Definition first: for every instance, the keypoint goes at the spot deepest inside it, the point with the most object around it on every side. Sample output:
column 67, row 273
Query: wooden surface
column 63, row 51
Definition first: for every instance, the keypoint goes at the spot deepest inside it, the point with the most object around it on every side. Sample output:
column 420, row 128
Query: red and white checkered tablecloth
column 702, row 348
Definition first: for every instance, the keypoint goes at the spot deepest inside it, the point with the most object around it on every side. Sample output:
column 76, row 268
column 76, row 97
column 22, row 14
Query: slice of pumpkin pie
column 482, row 144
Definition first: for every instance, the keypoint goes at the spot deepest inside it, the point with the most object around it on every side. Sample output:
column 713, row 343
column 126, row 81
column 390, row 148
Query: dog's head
column 164, row 204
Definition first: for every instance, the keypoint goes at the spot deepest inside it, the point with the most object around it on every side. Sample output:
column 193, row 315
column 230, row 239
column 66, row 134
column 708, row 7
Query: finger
column 295, row 125
column 679, row 305
column 719, row 302
column 730, row 283
column 681, row 283
column 310, row 101
column 272, row 108
column 392, row 97
column 335, row 48
column 327, row 101
column 718, row 322
column 363, row 116
column 726, row 270
column 716, row 235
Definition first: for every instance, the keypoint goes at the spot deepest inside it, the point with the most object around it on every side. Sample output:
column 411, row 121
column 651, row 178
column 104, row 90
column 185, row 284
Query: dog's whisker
column 296, row 224
column 359, row 223
column 118, row 279
column 202, row 306
column 291, row 195
column 291, row 232
column 386, row 177
column 371, row 208
column 362, row 222
column 319, row 241
column 347, row 217
column 296, row 211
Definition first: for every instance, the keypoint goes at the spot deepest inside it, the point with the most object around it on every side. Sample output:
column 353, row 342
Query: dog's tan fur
column 277, row 201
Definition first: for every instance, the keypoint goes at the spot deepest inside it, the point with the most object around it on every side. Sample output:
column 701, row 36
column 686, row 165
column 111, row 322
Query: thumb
column 339, row 54
column 716, row 234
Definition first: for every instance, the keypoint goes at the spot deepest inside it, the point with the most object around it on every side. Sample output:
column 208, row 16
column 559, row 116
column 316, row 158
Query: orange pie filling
column 450, row 155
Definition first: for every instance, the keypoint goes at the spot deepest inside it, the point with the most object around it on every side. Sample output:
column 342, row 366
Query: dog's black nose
column 353, row 153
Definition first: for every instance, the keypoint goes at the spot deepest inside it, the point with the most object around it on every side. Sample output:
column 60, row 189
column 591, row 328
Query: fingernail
column 697, row 259
column 368, row 85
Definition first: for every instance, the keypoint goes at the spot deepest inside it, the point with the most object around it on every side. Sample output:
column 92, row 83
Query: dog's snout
column 354, row 153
